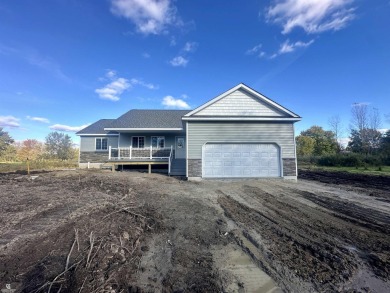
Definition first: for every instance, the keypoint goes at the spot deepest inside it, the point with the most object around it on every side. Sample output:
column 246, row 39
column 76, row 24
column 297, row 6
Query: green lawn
column 384, row 170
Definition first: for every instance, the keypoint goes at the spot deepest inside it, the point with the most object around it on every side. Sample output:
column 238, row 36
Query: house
column 238, row 134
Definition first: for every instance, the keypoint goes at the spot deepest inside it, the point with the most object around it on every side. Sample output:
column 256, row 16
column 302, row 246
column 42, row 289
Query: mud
column 97, row 231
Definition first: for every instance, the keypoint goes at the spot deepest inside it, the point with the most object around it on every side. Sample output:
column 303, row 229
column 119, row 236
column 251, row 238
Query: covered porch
column 154, row 147
column 146, row 156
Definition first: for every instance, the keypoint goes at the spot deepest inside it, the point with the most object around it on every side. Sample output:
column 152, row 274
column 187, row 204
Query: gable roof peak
column 282, row 111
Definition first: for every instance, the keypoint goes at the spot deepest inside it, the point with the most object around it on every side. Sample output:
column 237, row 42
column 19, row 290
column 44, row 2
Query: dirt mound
column 84, row 255
column 379, row 185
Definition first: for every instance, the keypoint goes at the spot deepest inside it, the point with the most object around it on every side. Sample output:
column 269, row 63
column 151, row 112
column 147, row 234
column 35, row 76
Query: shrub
column 341, row 160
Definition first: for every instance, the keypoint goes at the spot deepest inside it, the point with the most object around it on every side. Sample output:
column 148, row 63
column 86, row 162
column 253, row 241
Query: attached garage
column 240, row 160
column 241, row 134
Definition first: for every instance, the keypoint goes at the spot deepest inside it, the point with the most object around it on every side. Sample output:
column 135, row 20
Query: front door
column 180, row 147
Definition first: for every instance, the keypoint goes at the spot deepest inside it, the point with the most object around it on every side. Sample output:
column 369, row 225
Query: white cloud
column 179, row 61
column 190, row 47
column 146, row 55
column 38, row 119
column 48, row 64
column 313, row 16
column 111, row 74
column 344, row 141
column 288, row 47
column 254, row 50
column 150, row 86
column 149, row 16
column 114, row 89
column 171, row 102
column 67, row 128
column 9, row 121
column 118, row 85
column 172, row 43
column 284, row 48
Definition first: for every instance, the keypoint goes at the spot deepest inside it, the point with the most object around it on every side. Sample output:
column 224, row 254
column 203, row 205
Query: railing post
column 131, row 149
column 150, row 152
column 109, row 152
column 119, row 153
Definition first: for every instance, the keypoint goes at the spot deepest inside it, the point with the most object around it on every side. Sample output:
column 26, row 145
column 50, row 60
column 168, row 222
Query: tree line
column 365, row 138
column 57, row 146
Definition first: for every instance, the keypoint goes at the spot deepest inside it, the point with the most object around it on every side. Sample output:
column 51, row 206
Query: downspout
column 187, row 149
column 295, row 152
column 79, row 152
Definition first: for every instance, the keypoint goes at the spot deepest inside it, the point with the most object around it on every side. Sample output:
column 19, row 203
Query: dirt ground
column 97, row 231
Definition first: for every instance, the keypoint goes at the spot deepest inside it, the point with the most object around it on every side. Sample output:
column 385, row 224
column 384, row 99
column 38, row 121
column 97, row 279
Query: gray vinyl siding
column 240, row 103
column 125, row 139
column 201, row 132
column 87, row 143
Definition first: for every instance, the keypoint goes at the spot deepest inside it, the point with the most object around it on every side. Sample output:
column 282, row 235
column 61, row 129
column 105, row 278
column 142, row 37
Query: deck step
column 178, row 167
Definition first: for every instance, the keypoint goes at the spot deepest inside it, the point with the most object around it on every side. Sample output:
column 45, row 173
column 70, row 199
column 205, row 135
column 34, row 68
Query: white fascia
column 98, row 134
column 144, row 129
column 239, row 119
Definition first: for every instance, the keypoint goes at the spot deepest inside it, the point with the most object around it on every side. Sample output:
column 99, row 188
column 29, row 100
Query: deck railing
column 130, row 153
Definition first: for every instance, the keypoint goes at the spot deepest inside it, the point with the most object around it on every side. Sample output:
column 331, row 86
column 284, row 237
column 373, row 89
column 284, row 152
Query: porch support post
column 150, row 168
column 109, row 152
column 150, row 153
column 119, row 153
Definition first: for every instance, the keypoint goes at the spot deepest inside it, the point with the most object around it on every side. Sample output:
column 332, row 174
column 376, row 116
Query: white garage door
column 240, row 160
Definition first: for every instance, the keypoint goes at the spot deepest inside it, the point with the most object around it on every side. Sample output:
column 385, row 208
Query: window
column 101, row 144
column 138, row 142
column 158, row 142
column 180, row 142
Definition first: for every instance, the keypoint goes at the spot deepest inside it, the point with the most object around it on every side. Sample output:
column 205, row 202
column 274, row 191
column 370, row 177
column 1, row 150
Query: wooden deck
column 139, row 156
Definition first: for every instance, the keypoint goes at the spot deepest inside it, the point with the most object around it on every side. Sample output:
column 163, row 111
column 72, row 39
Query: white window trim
column 151, row 140
column 101, row 144
column 138, row 141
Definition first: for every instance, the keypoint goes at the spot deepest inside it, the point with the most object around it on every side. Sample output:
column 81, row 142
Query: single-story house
column 238, row 134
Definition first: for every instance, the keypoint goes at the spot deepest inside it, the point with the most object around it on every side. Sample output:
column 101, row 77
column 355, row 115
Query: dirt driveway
column 80, row 231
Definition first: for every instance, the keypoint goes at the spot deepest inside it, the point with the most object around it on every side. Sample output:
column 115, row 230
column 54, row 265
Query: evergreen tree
column 5, row 141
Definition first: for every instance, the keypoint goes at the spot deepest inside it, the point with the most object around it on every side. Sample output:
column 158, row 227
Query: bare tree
column 375, row 119
column 336, row 126
column 365, row 123
column 359, row 116
column 387, row 117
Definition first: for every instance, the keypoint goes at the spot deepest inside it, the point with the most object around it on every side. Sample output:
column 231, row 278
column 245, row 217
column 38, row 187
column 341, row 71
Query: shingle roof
column 150, row 119
column 97, row 127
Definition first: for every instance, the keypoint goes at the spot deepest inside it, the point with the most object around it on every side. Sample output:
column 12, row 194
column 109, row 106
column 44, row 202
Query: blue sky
column 66, row 63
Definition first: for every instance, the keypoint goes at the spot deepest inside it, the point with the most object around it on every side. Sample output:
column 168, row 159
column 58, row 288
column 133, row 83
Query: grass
column 36, row 165
column 383, row 170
